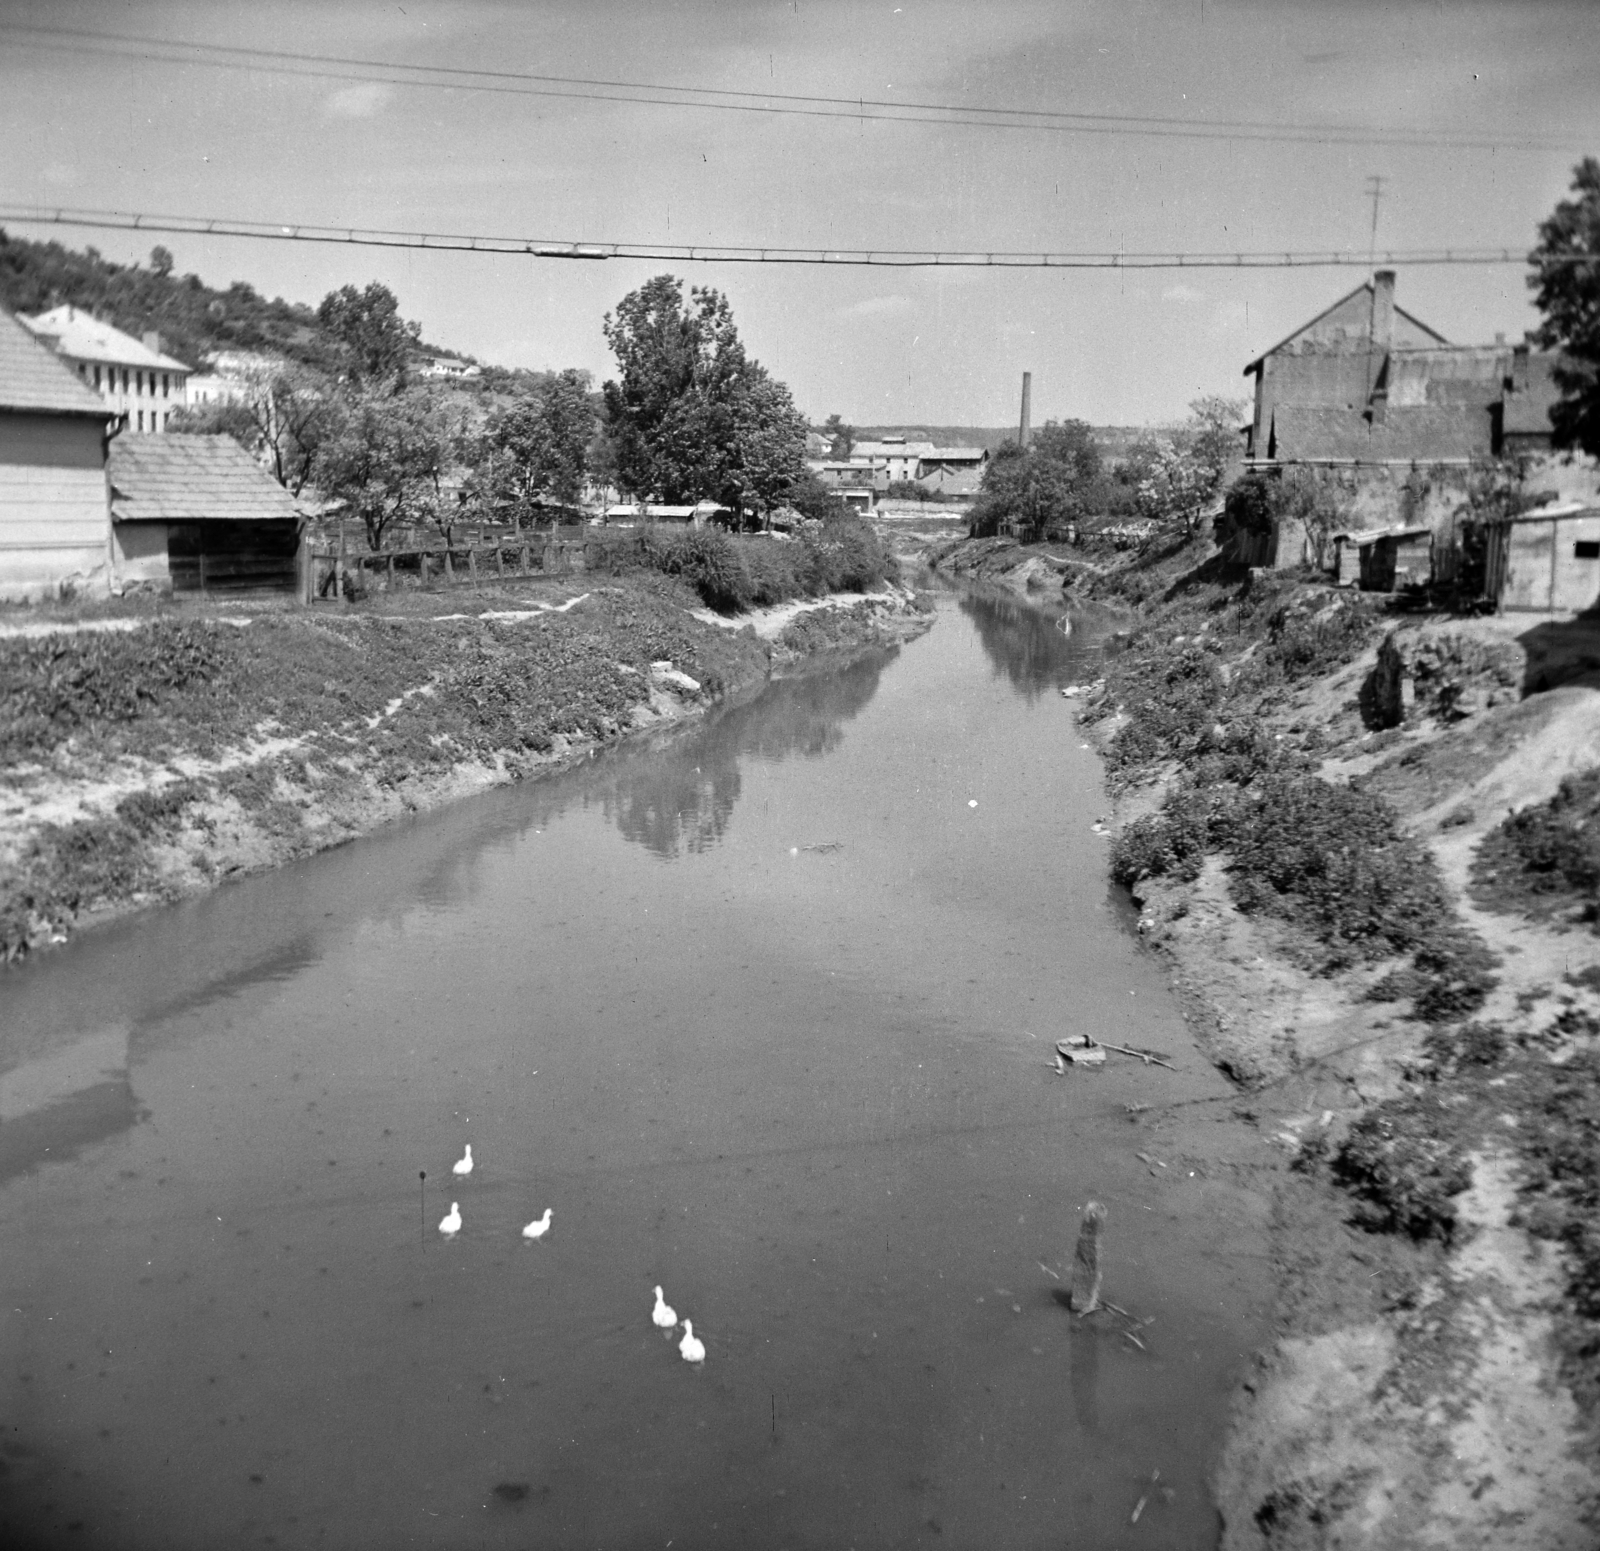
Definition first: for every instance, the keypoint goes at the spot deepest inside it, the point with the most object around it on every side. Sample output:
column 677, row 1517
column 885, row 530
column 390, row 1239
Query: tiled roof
column 1527, row 408
column 33, row 377
column 953, row 455
column 82, row 336
column 177, row 478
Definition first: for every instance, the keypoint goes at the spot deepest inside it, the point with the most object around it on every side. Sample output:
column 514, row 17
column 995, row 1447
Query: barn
column 198, row 514
column 54, row 532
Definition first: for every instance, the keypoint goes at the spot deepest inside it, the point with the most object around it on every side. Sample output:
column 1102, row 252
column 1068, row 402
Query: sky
column 125, row 131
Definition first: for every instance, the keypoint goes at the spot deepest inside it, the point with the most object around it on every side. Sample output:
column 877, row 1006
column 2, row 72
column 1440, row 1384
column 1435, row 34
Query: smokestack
column 152, row 341
column 1027, row 405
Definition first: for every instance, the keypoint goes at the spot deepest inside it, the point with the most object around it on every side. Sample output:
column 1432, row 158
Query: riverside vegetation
column 1404, row 981
column 191, row 744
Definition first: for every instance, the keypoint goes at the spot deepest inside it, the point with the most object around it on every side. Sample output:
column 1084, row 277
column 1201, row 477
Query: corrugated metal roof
column 178, row 478
column 33, row 377
column 85, row 338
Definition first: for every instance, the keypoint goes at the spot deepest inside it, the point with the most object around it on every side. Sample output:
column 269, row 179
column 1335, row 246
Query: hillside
column 192, row 317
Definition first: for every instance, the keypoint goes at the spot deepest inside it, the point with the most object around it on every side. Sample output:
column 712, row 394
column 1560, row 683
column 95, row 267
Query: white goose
column 692, row 1347
column 538, row 1227
column 451, row 1225
column 662, row 1314
column 464, row 1167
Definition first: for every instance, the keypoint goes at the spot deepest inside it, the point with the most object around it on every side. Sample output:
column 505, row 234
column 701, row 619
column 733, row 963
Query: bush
column 708, row 560
column 1400, row 1164
column 1174, row 842
column 1546, row 857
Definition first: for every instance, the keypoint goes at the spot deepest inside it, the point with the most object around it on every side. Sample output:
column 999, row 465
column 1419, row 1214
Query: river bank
column 1306, row 789
column 167, row 747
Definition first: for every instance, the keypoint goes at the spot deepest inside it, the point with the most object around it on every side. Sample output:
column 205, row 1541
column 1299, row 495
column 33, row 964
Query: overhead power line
column 883, row 110
column 714, row 253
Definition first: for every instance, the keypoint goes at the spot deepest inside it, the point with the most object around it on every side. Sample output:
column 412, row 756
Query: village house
column 198, row 514
column 1395, row 421
column 133, row 377
column 54, row 516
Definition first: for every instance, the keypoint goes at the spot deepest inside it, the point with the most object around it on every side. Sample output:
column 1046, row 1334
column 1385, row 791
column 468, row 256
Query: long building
column 133, row 377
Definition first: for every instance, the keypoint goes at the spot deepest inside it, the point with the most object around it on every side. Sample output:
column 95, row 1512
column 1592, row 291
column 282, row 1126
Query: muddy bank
column 1429, row 1097
column 146, row 759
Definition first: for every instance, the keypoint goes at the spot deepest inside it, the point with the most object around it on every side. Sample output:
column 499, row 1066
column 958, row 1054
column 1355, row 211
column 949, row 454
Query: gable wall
column 54, row 505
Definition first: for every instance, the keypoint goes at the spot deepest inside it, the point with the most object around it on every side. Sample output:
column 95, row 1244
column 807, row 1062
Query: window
column 97, row 376
column 1586, row 549
column 166, row 391
column 141, row 420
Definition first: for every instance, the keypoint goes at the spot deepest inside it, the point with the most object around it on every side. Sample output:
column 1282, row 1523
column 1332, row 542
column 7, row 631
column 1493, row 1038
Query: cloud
column 1182, row 293
column 362, row 100
column 879, row 307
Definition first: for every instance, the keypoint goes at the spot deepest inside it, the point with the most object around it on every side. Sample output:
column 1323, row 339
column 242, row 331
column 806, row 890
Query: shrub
column 1546, row 856
column 708, row 560
column 1400, row 1164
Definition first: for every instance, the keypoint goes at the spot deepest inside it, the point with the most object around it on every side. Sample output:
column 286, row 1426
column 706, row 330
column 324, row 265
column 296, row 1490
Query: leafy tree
column 388, row 458
column 841, row 437
column 1182, row 474
column 1054, row 482
column 286, row 413
column 374, row 340
column 161, row 261
column 1566, row 276
column 691, row 417
column 535, row 447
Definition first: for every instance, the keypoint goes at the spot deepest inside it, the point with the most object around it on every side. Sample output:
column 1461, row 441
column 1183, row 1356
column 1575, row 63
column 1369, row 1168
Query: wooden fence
column 329, row 575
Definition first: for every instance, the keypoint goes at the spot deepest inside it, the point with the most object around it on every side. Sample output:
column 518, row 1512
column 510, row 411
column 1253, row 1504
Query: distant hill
column 192, row 317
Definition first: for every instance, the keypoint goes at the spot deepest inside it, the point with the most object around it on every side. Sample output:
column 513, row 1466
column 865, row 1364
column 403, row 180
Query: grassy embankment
column 1422, row 1054
column 192, row 743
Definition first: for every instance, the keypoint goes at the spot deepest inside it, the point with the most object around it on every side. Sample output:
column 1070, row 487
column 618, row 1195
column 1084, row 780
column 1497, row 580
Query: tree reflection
column 681, row 798
column 1022, row 642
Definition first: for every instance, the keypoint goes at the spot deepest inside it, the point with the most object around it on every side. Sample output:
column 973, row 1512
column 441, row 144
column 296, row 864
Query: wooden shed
column 198, row 514
column 1546, row 561
column 1384, row 559
column 54, row 527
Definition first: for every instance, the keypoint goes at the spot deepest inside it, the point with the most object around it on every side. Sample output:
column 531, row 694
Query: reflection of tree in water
column 681, row 798
column 1022, row 643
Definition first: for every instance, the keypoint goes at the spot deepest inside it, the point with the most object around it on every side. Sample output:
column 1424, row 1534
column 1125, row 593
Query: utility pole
column 1374, row 192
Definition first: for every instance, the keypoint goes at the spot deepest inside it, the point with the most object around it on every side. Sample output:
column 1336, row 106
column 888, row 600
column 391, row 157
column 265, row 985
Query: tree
column 161, row 261
column 285, row 413
column 1566, row 276
column 387, row 460
column 374, row 339
column 1052, row 483
column 536, row 447
column 1182, row 474
column 841, row 437
column 691, row 417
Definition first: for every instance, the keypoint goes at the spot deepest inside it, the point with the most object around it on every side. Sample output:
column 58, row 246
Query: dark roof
column 34, row 379
column 177, row 478
column 1366, row 285
column 1425, row 433
column 1527, row 408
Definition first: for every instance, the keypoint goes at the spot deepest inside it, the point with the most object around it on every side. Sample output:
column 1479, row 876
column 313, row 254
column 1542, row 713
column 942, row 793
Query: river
column 763, row 1012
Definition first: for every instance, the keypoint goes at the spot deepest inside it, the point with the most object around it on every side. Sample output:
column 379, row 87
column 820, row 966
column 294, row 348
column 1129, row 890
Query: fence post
column 472, row 566
column 389, row 573
column 202, row 573
column 524, row 558
column 499, row 559
column 449, row 568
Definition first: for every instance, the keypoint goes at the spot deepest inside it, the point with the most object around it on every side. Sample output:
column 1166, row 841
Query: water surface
column 763, row 1013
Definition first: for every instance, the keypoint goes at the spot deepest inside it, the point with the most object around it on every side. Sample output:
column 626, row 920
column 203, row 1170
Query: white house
column 133, row 378
column 55, row 523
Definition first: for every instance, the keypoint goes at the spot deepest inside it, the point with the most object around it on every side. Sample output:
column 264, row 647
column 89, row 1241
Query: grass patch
column 1544, row 861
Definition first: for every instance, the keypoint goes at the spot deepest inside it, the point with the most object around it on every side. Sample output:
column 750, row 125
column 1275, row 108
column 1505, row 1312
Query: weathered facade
column 55, row 530
column 197, row 514
column 1546, row 561
column 1396, row 423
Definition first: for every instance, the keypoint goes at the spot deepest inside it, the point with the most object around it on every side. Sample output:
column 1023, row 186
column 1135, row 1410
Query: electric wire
column 699, row 253
column 882, row 110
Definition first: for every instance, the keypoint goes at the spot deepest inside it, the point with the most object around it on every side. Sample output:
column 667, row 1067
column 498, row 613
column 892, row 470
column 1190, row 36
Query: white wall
column 55, row 517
